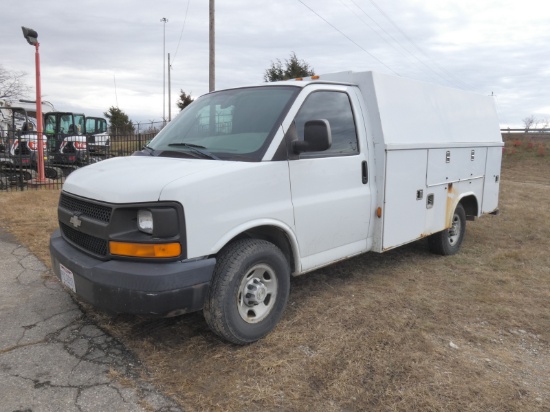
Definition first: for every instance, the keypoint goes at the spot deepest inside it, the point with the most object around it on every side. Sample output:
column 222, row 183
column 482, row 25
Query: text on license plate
column 67, row 277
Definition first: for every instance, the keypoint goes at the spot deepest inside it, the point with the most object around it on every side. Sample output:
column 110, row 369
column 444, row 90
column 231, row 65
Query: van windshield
column 236, row 124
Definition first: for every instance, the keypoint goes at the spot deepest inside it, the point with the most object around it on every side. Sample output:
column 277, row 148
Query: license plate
column 67, row 277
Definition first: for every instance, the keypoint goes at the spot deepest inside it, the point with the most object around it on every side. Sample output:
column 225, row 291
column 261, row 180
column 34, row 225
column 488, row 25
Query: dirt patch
column 399, row 331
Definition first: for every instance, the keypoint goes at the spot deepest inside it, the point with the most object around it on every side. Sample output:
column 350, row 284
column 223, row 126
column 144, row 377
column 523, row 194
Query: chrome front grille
column 91, row 210
column 88, row 238
column 90, row 243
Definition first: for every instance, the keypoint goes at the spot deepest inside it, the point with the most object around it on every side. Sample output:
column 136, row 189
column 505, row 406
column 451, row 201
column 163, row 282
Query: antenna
column 116, row 95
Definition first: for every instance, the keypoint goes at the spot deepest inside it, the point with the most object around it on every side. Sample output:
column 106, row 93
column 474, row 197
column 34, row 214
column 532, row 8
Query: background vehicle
column 97, row 139
column 19, row 148
column 66, row 137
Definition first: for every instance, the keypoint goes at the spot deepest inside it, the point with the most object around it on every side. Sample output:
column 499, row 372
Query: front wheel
column 249, row 291
column 448, row 241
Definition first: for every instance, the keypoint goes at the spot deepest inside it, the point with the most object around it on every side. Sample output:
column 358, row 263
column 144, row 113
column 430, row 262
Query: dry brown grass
column 373, row 332
column 31, row 216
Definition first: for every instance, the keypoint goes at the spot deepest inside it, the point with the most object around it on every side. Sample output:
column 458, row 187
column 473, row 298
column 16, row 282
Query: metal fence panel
column 18, row 170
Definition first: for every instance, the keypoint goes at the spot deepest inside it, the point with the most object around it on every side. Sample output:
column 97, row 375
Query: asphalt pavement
column 52, row 357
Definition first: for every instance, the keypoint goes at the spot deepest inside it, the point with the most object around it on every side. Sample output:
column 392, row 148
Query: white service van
column 249, row 186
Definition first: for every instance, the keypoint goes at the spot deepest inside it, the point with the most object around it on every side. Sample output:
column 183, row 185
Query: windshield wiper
column 151, row 150
column 195, row 148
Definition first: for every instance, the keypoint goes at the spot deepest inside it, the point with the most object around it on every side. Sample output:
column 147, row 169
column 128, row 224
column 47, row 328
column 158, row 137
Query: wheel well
column 469, row 203
column 274, row 235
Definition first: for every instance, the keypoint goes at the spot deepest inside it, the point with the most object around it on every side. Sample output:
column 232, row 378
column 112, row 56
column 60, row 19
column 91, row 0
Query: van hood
column 135, row 178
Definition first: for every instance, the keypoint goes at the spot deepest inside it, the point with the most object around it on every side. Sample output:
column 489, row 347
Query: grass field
column 400, row 331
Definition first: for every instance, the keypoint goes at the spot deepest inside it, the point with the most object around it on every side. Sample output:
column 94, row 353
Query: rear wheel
column 448, row 241
column 53, row 172
column 249, row 291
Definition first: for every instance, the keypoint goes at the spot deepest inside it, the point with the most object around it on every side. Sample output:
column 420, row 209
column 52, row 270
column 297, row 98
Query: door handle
column 364, row 172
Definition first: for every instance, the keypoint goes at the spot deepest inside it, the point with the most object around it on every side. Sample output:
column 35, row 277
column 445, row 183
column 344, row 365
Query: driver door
column 330, row 191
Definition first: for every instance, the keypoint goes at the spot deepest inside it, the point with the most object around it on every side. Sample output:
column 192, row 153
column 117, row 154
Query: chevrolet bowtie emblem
column 75, row 221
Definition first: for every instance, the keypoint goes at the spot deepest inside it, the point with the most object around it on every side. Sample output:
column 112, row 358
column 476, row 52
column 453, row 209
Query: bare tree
column 529, row 122
column 12, row 85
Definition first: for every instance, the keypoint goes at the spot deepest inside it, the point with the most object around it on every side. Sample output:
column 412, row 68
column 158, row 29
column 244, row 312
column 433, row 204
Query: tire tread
column 438, row 243
column 228, row 263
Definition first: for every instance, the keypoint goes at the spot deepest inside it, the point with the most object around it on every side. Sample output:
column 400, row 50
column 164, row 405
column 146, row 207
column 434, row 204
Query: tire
column 448, row 241
column 248, row 292
column 29, row 174
column 54, row 173
column 4, row 182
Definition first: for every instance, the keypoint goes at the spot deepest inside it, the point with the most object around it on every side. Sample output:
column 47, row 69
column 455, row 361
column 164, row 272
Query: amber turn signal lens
column 379, row 212
column 145, row 250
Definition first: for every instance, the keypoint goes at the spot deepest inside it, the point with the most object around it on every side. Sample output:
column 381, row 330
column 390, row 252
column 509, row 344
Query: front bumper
column 165, row 289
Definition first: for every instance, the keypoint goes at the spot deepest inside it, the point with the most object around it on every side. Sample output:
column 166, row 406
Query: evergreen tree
column 185, row 100
column 292, row 68
column 119, row 121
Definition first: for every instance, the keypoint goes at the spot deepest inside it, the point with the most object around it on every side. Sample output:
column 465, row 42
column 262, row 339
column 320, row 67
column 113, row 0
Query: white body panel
column 222, row 202
column 492, row 180
column 101, row 140
column 134, row 179
column 426, row 147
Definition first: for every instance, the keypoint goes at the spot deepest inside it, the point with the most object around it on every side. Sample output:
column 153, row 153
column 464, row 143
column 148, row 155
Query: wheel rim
column 257, row 293
column 454, row 231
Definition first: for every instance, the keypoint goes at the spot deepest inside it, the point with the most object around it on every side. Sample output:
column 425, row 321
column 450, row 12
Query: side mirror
column 317, row 137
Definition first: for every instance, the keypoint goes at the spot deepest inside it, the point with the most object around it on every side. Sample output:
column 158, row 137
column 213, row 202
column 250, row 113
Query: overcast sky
column 86, row 46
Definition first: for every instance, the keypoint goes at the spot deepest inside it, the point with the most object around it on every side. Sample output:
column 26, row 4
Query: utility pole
column 212, row 54
column 169, row 92
column 164, row 20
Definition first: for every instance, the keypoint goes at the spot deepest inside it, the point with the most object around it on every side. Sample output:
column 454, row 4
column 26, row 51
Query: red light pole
column 32, row 38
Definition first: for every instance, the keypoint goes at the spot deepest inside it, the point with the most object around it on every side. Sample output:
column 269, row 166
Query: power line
column 414, row 44
column 350, row 39
column 432, row 67
column 408, row 54
column 181, row 34
column 374, row 30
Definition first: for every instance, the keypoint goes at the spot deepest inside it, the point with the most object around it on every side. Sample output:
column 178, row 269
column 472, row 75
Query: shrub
column 517, row 143
column 541, row 150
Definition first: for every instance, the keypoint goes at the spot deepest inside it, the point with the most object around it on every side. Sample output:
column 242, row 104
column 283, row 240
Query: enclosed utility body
column 251, row 185
column 433, row 147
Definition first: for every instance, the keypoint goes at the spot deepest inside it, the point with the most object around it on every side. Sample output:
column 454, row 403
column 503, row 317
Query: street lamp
column 32, row 38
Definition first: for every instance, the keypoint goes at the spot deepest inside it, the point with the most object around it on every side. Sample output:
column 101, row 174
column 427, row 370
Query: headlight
column 145, row 220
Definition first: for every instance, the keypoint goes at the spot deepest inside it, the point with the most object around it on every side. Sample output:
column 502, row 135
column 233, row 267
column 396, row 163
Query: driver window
column 50, row 125
column 336, row 108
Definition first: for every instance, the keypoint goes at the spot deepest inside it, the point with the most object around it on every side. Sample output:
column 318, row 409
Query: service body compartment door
column 331, row 199
column 455, row 164
column 405, row 207
column 491, row 186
